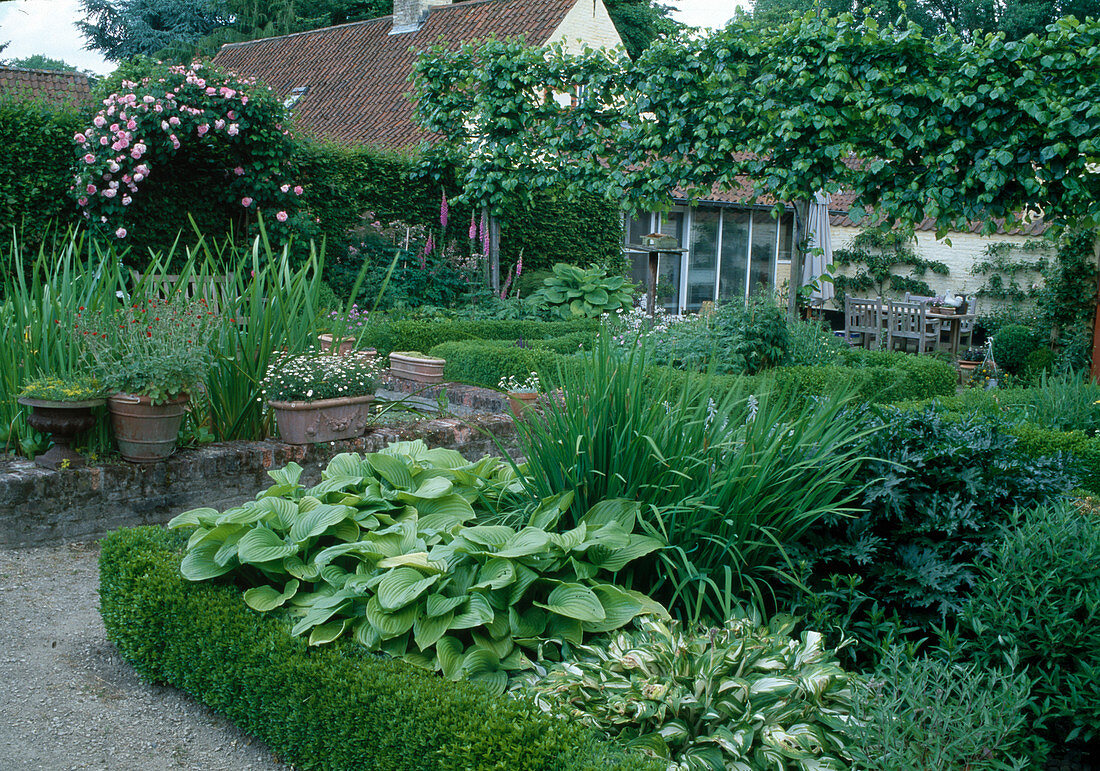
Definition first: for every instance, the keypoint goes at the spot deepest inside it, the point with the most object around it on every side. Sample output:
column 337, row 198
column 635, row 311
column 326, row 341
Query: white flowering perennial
column 513, row 384
column 315, row 375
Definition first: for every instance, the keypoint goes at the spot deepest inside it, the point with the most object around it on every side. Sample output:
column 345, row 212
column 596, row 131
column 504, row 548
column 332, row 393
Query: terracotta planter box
column 146, row 432
column 521, row 402
column 966, row 370
column 324, row 420
column 417, row 369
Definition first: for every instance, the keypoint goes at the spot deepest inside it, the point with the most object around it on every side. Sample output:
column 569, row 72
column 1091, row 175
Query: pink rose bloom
column 239, row 171
column 113, row 166
column 285, row 188
column 131, row 124
column 244, row 99
column 89, row 158
column 104, row 141
column 210, row 90
column 148, row 99
column 126, row 200
column 164, row 126
column 80, row 138
column 174, row 120
column 90, row 188
column 120, row 233
column 114, row 127
column 233, row 130
column 219, row 124
column 203, row 129
column 135, row 153
column 139, row 177
column 142, row 168
column 281, row 216
column 126, row 178
column 297, row 190
column 100, row 121
column 232, row 115
column 82, row 202
column 110, row 193
column 246, row 202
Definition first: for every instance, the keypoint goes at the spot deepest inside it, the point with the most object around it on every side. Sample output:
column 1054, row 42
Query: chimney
column 408, row 15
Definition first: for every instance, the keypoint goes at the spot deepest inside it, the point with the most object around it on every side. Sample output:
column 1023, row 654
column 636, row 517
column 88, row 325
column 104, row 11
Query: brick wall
column 38, row 506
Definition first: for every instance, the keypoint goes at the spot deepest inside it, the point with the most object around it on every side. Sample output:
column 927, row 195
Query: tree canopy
column 39, row 62
column 914, row 126
column 1016, row 19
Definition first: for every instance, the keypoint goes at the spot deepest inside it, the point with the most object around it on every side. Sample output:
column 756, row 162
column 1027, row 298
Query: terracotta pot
column 417, row 369
column 521, row 401
column 347, row 344
column 966, row 370
column 63, row 421
column 146, row 432
column 323, row 420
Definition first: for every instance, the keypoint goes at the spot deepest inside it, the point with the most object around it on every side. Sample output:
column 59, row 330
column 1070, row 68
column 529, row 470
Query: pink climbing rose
column 120, row 233
column 281, row 216
column 246, row 202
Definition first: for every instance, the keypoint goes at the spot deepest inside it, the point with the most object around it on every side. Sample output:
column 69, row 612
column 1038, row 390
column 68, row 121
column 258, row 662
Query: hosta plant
column 742, row 697
column 571, row 292
column 383, row 549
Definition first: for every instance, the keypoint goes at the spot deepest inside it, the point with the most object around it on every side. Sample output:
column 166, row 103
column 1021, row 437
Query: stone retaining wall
column 39, row 506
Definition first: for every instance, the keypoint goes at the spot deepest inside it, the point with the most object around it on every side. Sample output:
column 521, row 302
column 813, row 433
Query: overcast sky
column 48, row 27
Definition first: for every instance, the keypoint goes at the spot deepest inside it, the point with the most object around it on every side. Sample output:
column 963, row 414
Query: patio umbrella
column 820, row 254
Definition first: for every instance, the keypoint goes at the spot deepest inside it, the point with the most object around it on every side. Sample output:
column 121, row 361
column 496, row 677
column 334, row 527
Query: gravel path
column 68, row 701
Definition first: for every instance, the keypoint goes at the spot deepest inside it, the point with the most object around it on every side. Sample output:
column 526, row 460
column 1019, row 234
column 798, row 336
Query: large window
column 732, row 253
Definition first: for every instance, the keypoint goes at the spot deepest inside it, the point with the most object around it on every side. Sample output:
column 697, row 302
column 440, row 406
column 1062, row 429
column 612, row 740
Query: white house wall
column 588, row 23
column 965, row 250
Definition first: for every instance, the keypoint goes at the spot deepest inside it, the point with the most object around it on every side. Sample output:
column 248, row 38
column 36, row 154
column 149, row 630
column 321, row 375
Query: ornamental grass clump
column 316, row 375
column 155, row 347
column 742, row 696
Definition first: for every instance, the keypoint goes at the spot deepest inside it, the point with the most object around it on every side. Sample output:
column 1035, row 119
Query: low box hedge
column 336, row 707
column 485, row 362
column 425, row 334
column 1083, row 450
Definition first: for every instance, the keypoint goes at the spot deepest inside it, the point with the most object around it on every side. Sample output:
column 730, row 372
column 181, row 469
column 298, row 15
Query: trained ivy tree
column 161, row 128
column 983, row 130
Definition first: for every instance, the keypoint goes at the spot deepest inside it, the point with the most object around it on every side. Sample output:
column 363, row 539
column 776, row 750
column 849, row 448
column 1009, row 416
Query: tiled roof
column 357, row 74
column 53, row 86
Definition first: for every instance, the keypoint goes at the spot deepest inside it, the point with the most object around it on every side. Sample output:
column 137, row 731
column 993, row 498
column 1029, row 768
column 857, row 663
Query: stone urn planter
column 521, row 402
column 322, row 420
column 416, row 367
column 63, row 421
column 146, row 432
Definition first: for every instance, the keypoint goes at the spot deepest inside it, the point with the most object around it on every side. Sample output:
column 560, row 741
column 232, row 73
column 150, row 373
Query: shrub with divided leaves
column 744, row 696
column 382, row 549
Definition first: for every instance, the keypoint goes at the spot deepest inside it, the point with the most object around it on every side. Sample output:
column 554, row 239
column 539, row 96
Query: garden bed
column 39, row 506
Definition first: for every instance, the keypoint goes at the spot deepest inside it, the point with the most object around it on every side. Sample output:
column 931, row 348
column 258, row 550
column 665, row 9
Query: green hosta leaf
column 318, row 520
column 346, row 530
column 392, row 469
column 434, row 487
column 335, row 576
column 401, row 586
column 582, row 570
column 570, row 539
column 422, row 660
column 390, row 625
column 437, row 604
column 637, row 546
column 366, row 635
column 262, row 545
column 288, row 475
column 199, row 565
column 477, row 612
column 479, row 661
column 441, row 457
column 494, row 682
column 334, row 485
column 619, row 510
column 609, row 536
column 265, row 598
column 320, row 613
column 574, row 601
column 443, row 515
column 428, row 629
column 228, row 551
column 397, row 647
column 450, row 653
column 495, row 574
column 494, row 536
column 702, row 758
column 326, row 633
column 345, row 465
column 619, row 608
column 299, row 569
column 416, row 559
column 279, row 512
column 526, row 542
column 597, row 297
column 530, row 622
column 194, row 518
column 524, row 578
column 549, row 511
column 500, row 646
column 562, row 628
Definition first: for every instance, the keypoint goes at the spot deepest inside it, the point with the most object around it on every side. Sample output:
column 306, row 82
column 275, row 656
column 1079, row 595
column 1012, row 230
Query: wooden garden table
column 954, row 320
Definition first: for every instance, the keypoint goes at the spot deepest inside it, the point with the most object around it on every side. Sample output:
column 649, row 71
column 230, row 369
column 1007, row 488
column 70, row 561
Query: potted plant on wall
column 522, row 393
column 149, row 356
column 417, row 367
column 61, row 407
column 321, row 398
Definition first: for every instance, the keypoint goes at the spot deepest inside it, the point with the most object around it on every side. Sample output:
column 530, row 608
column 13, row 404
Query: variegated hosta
column 743, row 697
column 382, row 549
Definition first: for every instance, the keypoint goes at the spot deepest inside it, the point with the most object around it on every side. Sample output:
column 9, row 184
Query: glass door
column 702, row 269
column 668, row 270
column 636, row 227
column 733, row 274
column 762, row 260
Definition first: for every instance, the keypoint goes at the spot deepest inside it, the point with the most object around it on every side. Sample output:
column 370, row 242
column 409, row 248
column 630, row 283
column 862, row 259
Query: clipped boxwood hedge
column 425, row 334
column 336, row 707
column 486, row 362
column 1084, row 451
